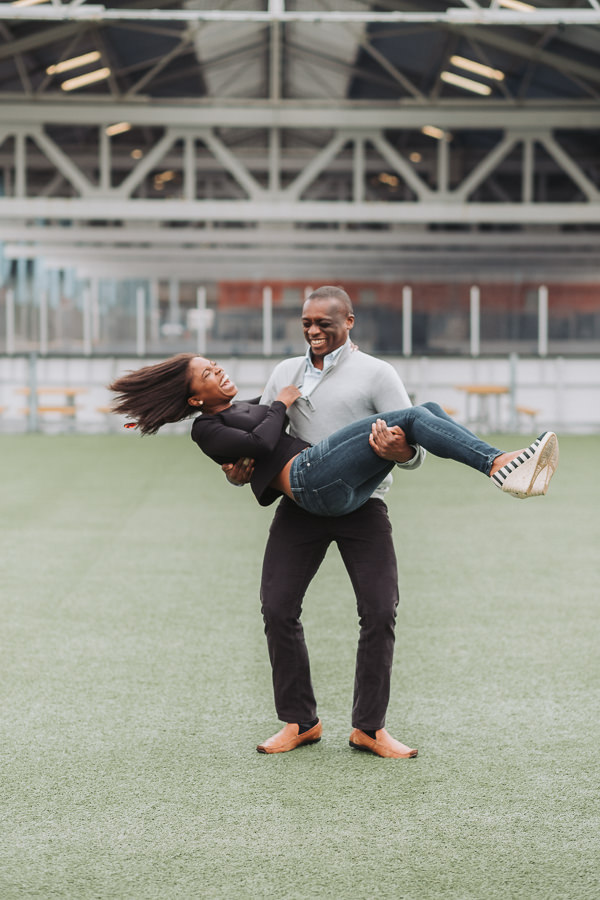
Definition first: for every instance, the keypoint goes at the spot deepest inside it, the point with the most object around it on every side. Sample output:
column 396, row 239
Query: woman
column 335, row 476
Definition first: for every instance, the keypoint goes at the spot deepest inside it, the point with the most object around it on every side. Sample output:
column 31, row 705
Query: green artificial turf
column 136, row 685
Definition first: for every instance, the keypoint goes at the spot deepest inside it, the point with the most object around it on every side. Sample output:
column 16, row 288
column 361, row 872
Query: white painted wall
column 566, row 392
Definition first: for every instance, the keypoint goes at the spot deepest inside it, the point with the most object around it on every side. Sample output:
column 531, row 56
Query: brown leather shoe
column 288, row 738
column 383, row 744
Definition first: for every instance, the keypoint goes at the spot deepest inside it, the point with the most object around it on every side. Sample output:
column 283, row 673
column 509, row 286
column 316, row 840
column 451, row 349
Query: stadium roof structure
column 289, row 137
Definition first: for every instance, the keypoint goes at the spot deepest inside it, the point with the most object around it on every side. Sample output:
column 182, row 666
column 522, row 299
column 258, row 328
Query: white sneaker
column 529, row 474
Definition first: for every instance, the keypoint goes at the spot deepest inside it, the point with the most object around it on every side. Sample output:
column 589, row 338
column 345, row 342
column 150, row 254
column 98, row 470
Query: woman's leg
column 464, row 446
column 427, row 425
column 340, row 473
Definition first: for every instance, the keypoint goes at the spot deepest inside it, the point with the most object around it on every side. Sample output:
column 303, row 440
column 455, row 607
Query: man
column 339, row 384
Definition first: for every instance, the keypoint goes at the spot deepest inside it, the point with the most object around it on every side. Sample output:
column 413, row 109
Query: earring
column 200, row 403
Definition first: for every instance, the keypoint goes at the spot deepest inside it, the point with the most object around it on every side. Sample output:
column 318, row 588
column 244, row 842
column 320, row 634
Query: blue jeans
column 340, row 473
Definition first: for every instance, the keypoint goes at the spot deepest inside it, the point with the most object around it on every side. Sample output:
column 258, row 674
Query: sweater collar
column 329, row 360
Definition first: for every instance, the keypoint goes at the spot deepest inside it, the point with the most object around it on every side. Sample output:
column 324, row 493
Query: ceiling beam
column 449, row 211
column 406, row 115
column 277, row 13
column 52, row 237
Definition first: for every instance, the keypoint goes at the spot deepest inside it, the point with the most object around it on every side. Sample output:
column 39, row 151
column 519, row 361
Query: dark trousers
column 295, row 549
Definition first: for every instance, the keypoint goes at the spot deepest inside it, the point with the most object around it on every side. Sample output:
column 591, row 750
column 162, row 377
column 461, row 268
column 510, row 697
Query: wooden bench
column 113, row 422
column 482, row 394
column 70, row 392
column 64, row 405
column 527, row 412
column 63, row 410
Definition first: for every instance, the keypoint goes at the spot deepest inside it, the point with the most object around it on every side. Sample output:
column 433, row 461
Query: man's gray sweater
column 355, row 386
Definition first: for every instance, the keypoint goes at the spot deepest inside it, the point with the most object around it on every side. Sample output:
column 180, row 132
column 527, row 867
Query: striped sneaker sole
column 529, row 474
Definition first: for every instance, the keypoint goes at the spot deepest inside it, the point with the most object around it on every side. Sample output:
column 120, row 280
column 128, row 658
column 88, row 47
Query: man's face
column 326, row 325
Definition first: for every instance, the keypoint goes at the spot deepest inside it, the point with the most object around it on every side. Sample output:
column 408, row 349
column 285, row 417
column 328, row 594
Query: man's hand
column 240, row 472
column 390, row 443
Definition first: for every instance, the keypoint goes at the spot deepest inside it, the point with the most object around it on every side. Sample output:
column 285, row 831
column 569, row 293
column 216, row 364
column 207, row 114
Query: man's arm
column 390, row 393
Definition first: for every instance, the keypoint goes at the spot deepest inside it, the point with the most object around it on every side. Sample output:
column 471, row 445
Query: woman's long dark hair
column 155, row 395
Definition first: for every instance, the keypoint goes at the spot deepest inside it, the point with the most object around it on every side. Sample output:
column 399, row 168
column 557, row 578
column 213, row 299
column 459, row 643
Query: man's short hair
column 329, row 292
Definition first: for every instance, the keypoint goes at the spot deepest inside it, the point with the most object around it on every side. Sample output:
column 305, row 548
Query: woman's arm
column 217, row 438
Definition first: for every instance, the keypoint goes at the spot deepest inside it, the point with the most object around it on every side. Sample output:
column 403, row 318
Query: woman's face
column 210, row 386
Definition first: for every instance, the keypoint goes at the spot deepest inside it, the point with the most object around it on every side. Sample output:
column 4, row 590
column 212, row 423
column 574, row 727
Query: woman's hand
column 288, row 395
column 390, row 443
column 240, row 472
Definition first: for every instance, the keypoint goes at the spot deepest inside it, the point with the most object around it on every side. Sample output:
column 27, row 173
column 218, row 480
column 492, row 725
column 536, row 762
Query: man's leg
column 364, row 538
column 295, row 549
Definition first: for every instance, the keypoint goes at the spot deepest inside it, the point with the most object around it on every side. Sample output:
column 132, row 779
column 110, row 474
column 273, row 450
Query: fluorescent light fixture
column 466, row 84
column 434, row 132
column 71, row 84
column 517, row 5
column 27, row 2
column 117, row 128
column 169, row 175
column 73, row 63
column 470, row 65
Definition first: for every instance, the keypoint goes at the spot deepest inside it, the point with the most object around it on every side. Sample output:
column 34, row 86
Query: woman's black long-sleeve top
column 254, row 430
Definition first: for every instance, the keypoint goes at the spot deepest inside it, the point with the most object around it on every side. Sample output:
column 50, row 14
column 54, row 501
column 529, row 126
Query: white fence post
column 407, row 321
column 267, row 321
column 475, row 320
column 543, row 320
column 87, row 322
column 140, row 305
column 10, row 322
column 202, row 323
column 44, row 323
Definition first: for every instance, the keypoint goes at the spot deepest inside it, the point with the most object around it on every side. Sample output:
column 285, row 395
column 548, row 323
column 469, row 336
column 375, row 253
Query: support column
column 513, row 381
column 527, row 177
column 443, row 165
column 543, row 320
column 87, row 321
column 54, row 291
column 154, row 312
column 275, row 53
column 33, row 396
column 267, row 321
column 20, row 165
column 105, row 160
column 173, row 301
column 95, row 310
column 475, row 320
column 407, row 321
column 10, row 322
column 358, row 171
column 21, row 281
column 274, row 160
column 189, row 168
column 201, row 321
column 140, row 306
column 43, row 323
